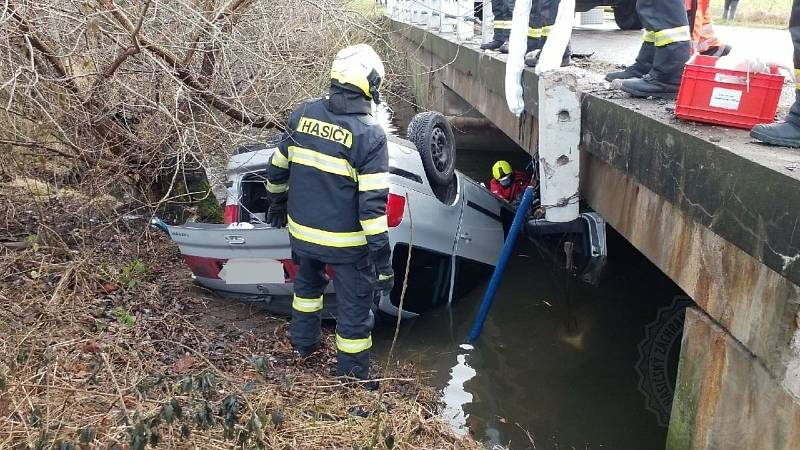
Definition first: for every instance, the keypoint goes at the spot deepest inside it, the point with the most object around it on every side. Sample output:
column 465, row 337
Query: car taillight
column 231, row 213
column 395, row 207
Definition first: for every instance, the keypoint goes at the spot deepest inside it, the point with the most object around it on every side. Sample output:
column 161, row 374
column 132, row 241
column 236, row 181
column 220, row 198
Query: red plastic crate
column 707, row 94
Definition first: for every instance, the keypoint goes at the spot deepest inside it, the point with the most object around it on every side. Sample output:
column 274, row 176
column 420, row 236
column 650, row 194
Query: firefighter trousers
column 355, row 286
column 666, row 45
column 502, row 11
column 542, row 17
column 794, row 31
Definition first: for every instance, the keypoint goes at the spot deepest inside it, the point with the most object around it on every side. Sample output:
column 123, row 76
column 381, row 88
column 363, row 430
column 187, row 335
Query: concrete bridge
column 718, row 214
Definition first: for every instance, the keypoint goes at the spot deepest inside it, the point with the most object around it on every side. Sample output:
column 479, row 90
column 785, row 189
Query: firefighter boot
column 643, row 64
column 664, row 77
column 492, row 45
column 785, row 133
column 532, row 58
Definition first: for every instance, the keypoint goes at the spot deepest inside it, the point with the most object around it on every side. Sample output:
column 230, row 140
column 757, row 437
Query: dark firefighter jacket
column 333, row 164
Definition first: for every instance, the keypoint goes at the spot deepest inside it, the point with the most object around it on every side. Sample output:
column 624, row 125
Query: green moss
column 209, row 208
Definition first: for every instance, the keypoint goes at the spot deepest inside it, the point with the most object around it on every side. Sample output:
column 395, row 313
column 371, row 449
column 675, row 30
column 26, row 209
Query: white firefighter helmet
column 359, row 67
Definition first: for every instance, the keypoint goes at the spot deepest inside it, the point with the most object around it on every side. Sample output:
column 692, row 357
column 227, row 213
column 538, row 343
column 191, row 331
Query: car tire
column 431, row 133
column 626, row 17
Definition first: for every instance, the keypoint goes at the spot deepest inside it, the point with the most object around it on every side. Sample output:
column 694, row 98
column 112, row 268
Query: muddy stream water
column 561, row 364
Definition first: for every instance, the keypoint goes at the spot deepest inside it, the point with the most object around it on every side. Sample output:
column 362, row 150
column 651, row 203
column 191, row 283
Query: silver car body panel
column 249, row 257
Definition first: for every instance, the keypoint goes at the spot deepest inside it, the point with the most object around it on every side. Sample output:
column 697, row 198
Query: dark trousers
column 542, row 18
column 667, row 40
column 729, row 9
column 355, row 286
column 794, row 31
column 502, row 11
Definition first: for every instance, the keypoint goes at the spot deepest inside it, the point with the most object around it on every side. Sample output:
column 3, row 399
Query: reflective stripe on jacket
column 334, row 169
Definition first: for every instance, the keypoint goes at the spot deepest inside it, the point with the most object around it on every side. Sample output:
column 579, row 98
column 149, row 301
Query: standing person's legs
column 732, row 11
column 668, row 21
column 548, row 11
column 709, row 44
column 307, row 304
column 644, row 60
column 725, row 8
column 355, row 287
column 501, row 25
column 786, row 132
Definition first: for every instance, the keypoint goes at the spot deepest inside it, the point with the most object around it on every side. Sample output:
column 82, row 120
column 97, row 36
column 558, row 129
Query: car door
column 480, row 233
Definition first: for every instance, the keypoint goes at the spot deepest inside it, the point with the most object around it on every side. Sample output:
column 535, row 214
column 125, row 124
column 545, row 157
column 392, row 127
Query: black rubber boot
column 628, row 73
column 532, row 58
column 647, row 86
column 643, row 64
column 784, row 134
column 492, row 45
column 504, row 48
column 304, row 351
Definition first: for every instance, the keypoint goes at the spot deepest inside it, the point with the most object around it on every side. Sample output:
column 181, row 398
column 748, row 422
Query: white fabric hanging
column 557, row 41
column 517, row 45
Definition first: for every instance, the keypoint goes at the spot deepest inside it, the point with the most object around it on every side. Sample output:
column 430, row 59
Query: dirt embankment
column 106, row 343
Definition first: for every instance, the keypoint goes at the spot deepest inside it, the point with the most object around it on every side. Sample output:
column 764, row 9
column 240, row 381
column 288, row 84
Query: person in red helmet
column 507, row 183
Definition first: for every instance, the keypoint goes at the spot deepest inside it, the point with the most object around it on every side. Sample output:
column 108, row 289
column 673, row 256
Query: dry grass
column 105, row 343
column 759, row 13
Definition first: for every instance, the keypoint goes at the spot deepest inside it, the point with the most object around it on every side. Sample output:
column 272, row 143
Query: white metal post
column 487, row 25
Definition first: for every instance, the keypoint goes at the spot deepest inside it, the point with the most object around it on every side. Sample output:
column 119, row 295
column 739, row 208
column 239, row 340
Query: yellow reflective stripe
column 359, row 82
column 373, row 181
column 325, row 130
column 502, row 24
column 353, row 345
column 307, row 305
column 797, row 78
column 383, row 277
column 273, row 188
column 649, row 36
column 374, row 226
column 546, row 30
column 326, row 238
column 672, row 35
column 534, row 32
column 321, row 161
column 280, row 161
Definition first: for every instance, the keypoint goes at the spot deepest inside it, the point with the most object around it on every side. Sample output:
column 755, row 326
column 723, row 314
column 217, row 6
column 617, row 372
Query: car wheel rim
column 439, row 143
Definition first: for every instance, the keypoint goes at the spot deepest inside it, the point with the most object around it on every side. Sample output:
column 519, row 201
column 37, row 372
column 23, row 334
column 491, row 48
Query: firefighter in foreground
column 787, row 131
column 330, row 173
column 663, row 54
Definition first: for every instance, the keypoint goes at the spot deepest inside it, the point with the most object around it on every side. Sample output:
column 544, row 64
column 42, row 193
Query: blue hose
column 500, row 268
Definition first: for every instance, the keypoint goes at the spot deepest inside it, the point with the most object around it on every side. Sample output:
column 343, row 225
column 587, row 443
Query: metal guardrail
column 444, row 16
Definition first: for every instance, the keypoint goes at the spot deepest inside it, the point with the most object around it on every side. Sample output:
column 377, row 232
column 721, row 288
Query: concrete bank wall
column 722, row 222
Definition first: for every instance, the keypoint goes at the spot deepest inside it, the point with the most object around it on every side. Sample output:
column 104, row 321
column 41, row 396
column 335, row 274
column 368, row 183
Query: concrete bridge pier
column 721, row 220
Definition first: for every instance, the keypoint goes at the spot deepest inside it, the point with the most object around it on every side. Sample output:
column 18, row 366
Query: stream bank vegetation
column 110, row 112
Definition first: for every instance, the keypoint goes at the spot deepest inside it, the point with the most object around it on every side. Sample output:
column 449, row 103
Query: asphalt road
column 614, row 46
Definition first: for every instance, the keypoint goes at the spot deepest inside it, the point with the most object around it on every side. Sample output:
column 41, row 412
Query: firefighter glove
column 276, row 215
column 385, row 281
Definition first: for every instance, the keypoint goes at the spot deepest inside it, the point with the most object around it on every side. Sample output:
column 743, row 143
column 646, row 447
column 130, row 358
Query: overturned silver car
column 451, row 224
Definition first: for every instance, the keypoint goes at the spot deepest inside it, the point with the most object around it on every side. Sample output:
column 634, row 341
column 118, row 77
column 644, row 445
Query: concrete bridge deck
column 716, row 212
